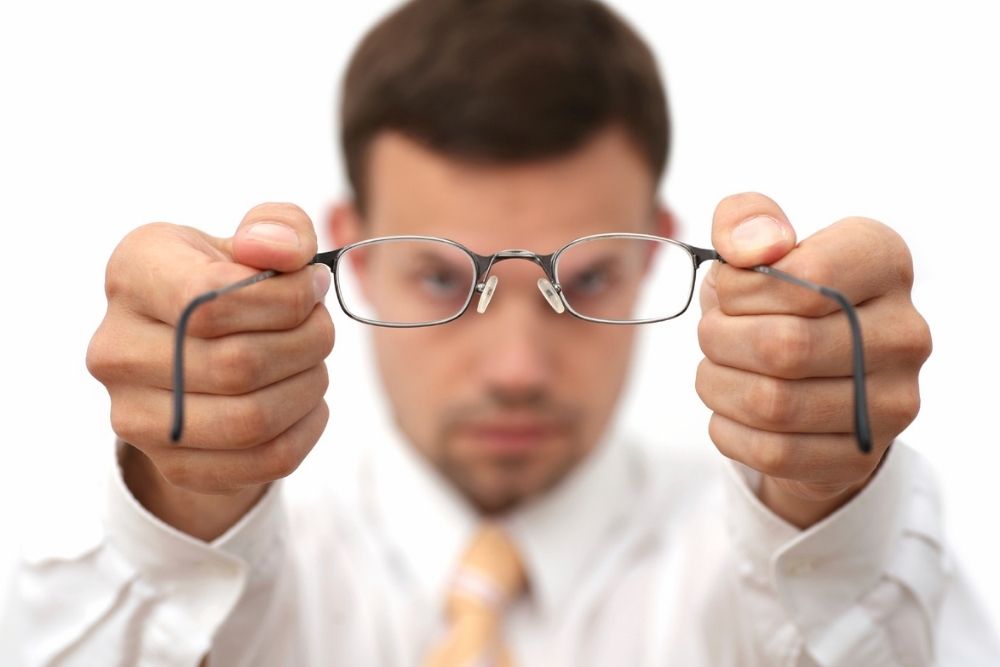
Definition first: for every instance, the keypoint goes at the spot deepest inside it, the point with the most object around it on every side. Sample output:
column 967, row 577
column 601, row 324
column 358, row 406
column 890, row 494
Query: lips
column 507, row 437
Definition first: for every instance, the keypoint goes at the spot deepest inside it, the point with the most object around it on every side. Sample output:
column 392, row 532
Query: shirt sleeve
column 130, row 589
column 872, row 584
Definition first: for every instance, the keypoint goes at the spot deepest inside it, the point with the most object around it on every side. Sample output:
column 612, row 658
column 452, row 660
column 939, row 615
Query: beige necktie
column 490, row 576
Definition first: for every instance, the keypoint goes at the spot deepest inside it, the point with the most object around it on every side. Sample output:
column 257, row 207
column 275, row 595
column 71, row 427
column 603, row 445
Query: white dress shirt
column 644, row 557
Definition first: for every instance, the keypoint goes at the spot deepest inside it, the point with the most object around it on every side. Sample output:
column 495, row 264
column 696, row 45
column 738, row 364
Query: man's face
column 504, row 404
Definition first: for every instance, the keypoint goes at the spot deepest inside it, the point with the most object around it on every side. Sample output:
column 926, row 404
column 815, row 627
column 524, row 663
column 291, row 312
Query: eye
column 590, row 282
column 442, row 282
column 593, row 281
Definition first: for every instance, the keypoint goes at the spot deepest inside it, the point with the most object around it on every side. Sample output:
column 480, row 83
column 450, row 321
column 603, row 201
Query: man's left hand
column 777, row 372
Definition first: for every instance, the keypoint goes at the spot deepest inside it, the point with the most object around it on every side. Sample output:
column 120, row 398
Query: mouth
column 509, row 437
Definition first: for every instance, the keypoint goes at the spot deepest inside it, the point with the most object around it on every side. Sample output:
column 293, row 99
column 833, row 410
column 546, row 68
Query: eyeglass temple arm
column 861, row 419
column 862, row 424
column 177, row 427
column 328, row 258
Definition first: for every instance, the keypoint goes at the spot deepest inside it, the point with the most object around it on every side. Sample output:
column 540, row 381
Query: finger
column 794, row 347
column 750, row 229
column 813, row 458
column 817, row 405
column 222, row 471
column 861, row 258
column 141, row 415
column 275, row 236
column 708, row 295
column 276, row 304
column 229, row 365
column 158, row 269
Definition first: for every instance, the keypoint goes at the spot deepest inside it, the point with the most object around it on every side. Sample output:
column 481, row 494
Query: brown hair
column 501, row 81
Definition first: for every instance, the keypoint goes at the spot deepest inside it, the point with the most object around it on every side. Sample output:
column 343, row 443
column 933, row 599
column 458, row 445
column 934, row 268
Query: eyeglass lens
column 424, row 281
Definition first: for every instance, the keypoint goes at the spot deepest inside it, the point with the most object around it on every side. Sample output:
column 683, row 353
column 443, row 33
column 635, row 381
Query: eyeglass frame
column 483, row 264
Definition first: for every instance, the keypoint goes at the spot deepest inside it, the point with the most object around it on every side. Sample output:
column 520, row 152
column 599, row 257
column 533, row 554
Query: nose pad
column 487, row 294
column 548, row 290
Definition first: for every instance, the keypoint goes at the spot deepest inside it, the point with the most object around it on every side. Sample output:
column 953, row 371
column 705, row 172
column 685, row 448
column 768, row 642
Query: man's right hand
column 254, row 363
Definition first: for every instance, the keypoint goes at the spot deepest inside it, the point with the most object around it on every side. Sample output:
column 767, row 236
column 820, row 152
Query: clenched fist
column 777, row 372
column 254, row 367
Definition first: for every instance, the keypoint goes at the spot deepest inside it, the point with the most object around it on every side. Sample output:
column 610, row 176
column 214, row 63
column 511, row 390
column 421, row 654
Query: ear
column 664, row 222
column 345, row 226
column 344, row 223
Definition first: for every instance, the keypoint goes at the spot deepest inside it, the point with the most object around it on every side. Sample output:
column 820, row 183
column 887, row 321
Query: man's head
column 503, row 124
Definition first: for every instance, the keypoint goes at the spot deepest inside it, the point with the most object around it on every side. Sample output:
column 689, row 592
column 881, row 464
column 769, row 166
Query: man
column 508, row 525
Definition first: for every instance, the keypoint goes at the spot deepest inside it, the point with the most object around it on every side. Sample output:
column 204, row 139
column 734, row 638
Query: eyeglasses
column 615, row 278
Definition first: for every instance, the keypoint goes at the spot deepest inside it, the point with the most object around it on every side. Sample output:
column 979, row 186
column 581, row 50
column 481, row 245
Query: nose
column 515, row 351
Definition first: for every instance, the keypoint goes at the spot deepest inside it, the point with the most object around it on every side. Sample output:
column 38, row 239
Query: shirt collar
column 425, row 521
column 558, row 534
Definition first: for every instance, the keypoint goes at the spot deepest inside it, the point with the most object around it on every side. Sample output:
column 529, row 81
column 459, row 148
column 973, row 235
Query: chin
column 499, row 487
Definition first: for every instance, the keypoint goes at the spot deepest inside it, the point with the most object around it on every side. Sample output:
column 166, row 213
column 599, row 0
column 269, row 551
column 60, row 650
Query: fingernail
column 321, row 281
column 758, row 233
column 273, row 232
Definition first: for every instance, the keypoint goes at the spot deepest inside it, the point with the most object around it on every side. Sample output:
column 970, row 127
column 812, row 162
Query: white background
column 113, row 114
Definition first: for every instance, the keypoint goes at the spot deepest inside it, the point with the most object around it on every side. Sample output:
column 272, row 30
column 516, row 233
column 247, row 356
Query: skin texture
column 506, row 403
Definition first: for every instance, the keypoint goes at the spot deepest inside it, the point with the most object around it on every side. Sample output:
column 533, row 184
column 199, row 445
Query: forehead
column 604, row 186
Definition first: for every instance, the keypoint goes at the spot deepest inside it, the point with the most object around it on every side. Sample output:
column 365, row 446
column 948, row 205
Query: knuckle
column 917, row 343
column 701, row 381
column 248, row 422
column 115, row 280
column 122, row 258
column 786, row 347
column 202, row 322
column 283, row 455
column 282, row 459
column 900, row 259
column 871, row 232
column 302, row 302
column 101, row 359
column 237, row 367
column 819, row 270
column 328, row 333
column 122, row 423
column 905, row 406
column 727, row 289
column 887, row 244
column 207, row 321
column 769, row 454
column 324, row 381
column 894, row 248
column 129, row 422
column 770, row 401
column 717, row 434
column 707, row 332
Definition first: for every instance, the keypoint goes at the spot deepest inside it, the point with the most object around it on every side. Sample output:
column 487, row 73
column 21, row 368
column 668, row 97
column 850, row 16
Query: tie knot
column 490, row 573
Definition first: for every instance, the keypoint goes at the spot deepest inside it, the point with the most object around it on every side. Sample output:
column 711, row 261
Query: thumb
column 750, row 229
column 275, row 236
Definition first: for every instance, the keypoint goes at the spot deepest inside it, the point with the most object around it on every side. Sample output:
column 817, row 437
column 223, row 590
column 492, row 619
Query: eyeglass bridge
column 549, row 289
